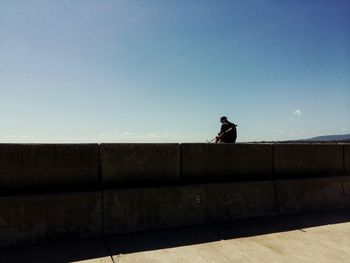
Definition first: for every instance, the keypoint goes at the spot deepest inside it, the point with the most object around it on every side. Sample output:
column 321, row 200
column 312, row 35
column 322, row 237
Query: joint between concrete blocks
column 180, row 162
column 277, row 199
column 102, row 214
column 343, row 159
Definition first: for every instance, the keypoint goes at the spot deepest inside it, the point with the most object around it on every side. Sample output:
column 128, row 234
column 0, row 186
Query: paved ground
column 320, row 237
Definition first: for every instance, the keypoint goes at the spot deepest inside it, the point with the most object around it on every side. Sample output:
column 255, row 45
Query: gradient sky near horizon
column 166, row 70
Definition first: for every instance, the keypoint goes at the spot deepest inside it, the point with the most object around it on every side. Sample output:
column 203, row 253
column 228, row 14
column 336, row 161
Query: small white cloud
column 297, row 112
column 344, row 129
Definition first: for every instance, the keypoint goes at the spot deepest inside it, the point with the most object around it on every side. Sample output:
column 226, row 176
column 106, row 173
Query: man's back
column 229, row 132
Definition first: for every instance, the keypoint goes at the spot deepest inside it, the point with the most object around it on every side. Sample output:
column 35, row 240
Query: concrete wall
column 149, row 186
column 307, row 160
column 310, row 195
column 346, row 188
column 226, row 162
column 32, row 218
column 35, row 168
column 142, row 209
column 139, row 164
column 347, row 159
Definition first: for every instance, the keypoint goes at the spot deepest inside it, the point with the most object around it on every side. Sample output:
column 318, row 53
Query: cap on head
column 223, row 118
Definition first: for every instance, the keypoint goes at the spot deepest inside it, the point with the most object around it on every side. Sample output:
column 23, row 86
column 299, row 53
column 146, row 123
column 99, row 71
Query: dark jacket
column 229, row 136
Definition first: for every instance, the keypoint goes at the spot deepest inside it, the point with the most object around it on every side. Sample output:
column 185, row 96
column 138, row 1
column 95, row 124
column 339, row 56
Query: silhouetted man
column 228, row 132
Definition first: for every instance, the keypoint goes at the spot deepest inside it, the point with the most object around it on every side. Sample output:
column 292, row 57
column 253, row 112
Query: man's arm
column 222, row 133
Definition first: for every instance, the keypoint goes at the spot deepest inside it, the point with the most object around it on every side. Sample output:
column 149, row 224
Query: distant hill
column 319, row 139
column 329, row 138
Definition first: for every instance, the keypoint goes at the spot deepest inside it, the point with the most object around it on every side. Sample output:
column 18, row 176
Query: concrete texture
column 27, row 219
column 318, row 237
column 139, row 164
column 87, row 251
column 142, row 209
column 151, row 202
column 226, row 162
column 31, row 168
column 243, row 200
column 308, row 160
column 346, row 188
column 347, row 159
column 309, row 195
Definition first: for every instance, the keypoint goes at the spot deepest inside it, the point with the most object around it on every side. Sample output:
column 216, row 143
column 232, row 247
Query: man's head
column 223, row 119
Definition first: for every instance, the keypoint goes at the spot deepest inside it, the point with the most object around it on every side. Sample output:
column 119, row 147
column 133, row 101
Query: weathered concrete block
column 310, row 195
column 244, row 200
column 149, row 208
column 232, row 162
column 347, row 159
column 308, row 160
column 346, row 188
column 48, row 167
column 31, row 218
column 139, row 164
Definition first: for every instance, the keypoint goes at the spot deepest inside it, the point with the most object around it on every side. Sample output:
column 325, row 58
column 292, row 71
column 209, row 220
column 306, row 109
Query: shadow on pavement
column 65, row 251
column 95, row 250
column 161, row 239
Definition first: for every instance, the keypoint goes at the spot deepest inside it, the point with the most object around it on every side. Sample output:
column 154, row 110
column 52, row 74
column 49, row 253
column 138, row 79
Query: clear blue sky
column 166, row 70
